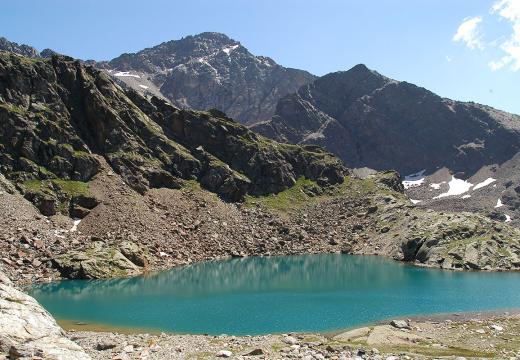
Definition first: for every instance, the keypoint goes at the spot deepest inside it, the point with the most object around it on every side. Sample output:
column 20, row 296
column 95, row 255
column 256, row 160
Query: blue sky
column 412, row 40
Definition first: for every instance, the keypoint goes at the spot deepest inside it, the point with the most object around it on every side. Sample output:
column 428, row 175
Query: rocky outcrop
column 24, row 50
column 372, row 121
column 99, row 260
column 27, row 331
column 60, row 118
column 208, row 71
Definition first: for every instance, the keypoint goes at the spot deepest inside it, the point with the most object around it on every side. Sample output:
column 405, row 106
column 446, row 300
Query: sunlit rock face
column 28, row 331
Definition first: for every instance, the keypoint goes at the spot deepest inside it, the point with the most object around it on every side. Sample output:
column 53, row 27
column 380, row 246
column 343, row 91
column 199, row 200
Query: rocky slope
column 372, row 121
column 24, row 50
column 493, row 191
column 60, row 118
column 206, row 71
column 27, row 331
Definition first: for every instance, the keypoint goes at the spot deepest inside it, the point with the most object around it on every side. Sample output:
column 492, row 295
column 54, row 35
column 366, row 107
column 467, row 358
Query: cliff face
column 207, row 71
column 59, row 117
column 372, row 121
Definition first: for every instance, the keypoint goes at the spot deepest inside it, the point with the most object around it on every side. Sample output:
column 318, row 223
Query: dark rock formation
column 24, row 50
column 59, row 117
column 372, row 121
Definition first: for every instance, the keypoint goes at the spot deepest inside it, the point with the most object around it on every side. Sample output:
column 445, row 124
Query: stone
column 30, row 331
column 96, row 262
column 400, row 324
column 496, row 327
column 290, row 340
column 255, row 352
column 389, row 335
column 105, row 345
column 224, row 354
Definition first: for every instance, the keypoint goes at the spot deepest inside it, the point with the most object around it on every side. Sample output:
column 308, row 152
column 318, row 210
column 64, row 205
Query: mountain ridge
column 355, row 113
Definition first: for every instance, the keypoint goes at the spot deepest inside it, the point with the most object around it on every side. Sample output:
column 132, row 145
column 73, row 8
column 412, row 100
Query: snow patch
column 508, row 218
column 414, row 180
column 437, row 186
column 486, row 182
column 143, row 86
column 126, row 73
column 228, row 49
column 75, row 226
column 466, row 197
column 415, row 201
column 499, row 204
column 457, row 187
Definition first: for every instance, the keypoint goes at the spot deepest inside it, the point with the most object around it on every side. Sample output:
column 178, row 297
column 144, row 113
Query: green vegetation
column 306, row 192
column 13, row 108
column 48, row 187
column 72, row 188
column 290, row 199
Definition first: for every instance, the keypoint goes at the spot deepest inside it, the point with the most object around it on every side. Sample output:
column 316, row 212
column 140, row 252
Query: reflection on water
column 265, row 295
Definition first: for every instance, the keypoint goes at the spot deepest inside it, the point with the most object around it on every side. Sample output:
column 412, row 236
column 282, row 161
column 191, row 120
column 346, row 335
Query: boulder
column 97, row 261
column 28, row 331
column 135, row 253
column 400, row 324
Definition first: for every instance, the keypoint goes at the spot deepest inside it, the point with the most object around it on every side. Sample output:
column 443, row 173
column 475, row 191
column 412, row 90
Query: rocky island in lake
column 191, row 200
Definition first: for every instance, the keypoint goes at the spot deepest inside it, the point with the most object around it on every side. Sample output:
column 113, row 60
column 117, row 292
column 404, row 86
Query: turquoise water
column 277, row 294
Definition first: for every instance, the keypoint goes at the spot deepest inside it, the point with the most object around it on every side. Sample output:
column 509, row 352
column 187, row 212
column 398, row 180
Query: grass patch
column 13, row 108
column 290, row 199
column 306, row 192
column 72, row 188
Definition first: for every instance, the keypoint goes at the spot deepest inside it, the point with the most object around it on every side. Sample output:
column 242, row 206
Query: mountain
column 24, row 50
column 372, row 121
column 98, row 181
column 58, row 117
column 206, row 71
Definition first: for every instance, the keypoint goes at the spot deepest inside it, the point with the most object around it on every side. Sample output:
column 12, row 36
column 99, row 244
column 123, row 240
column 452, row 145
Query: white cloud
column 508, row 10
column 469, row 34
column 448, row 58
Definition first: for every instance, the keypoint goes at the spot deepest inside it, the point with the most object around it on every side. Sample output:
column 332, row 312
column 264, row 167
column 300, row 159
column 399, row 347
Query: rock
column 255, row 352
column 96, row 262
column 496, row 327
column 353, row 334
column 400, row 324
column 290, row 340
column 224, row 354
column 105, row 345
column 29, row 331
column 135, row 253
column 389, row 335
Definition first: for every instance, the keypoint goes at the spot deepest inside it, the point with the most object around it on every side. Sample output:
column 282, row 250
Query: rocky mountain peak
column 370, row 120
column 209, row 70
column 21, row 49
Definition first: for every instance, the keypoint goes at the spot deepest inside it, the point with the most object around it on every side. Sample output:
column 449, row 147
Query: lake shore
column 451, row 336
